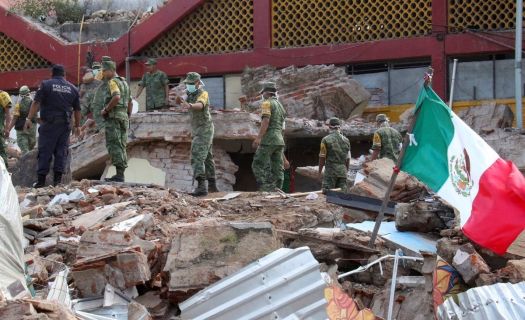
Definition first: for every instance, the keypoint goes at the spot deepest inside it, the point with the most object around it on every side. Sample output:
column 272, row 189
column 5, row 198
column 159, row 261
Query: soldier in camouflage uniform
column 387, row 140
column 267, row 165
column 156, row 84
column 116, row 112
column 25, row 138
column 334, row 156
column 5, row 120
column 202, row 130
column 87, row 92
column 99, row 96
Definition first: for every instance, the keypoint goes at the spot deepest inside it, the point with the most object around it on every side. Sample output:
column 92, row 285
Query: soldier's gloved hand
column 286, row 164
column 104, row 113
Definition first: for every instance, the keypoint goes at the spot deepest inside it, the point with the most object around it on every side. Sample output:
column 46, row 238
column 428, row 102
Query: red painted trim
column 337, row 54
column 439, row 16
column 151, row 29
column 12, row 81
column 470, row 44
column 45, row 45
column 262, row 24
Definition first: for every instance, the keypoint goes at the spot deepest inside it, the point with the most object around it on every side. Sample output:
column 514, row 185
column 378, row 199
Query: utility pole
column 518, row 53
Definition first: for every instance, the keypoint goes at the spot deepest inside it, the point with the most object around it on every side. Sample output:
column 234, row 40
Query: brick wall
column 313, row 92
column 174, row 160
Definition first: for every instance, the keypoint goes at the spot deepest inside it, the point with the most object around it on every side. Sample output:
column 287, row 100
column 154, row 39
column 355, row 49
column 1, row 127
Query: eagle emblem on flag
column 459, row 169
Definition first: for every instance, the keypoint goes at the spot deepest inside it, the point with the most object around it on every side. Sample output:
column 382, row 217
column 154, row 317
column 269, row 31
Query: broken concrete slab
column 123, row 270
column 469, row 263
column 424, row 216
column 208, row 250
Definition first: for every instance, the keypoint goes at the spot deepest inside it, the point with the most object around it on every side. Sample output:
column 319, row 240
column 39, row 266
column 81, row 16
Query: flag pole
column 406, row 141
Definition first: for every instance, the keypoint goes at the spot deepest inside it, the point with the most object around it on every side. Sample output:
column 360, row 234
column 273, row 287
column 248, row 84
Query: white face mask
column 191, row 88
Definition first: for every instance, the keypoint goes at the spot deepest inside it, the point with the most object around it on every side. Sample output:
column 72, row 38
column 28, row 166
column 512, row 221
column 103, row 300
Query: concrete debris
column 213, row 249
column 137, row 249
column 469, row 263
column 312, row 92
column 406, row 189
column 429, row 215
column 486, row 118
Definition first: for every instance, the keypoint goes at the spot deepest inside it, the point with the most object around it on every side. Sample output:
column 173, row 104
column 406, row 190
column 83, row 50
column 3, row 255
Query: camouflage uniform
column 5, row 104
column 155, row 84
column 117, row 122
column 267, row 165
column 97, row 103
column 26, row 139
column 89, row 90
column 202, row 130
column 387, row 140
column 335, row 148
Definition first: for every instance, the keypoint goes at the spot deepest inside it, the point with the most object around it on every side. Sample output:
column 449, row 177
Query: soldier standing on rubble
column 5, row 119
column 387, row 140
column 156, row 84
column 267, row 165
column 26, row 139
column 116, row 112
column 335, row 157
column 202, row 130
column 57, row 99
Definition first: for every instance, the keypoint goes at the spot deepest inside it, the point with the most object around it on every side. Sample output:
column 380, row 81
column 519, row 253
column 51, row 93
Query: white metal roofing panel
column 286, row 284
column 497, row 301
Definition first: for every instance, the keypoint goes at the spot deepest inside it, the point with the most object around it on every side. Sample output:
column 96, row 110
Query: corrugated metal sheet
column 285, row 284
column 498, row 301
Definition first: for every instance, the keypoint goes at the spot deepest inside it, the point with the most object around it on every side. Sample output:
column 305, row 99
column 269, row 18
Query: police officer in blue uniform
column 57, row 99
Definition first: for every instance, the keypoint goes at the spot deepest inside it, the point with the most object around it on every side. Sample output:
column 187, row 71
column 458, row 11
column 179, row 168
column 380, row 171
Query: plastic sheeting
column 11, row 233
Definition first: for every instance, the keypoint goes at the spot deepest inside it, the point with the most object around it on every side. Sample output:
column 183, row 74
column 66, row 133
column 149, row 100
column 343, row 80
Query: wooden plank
column 96, row 217
column 340, row 244
column 297, row 195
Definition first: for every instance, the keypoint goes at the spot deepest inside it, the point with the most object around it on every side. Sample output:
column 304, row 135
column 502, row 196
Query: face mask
column 95, row 72
column 191, row 88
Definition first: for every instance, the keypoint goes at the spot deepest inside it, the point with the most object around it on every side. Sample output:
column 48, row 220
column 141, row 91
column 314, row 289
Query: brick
column 469, row 263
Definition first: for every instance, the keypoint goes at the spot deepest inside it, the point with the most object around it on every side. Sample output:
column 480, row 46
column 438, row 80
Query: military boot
column 212, row 185
column 57, row 178
column 201, row 189
column 41, row 181
column 119, row 177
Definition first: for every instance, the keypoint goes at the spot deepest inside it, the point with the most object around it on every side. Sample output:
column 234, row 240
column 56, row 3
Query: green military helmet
column 151, row 62
column 381, row 118
column 269, row 87
column 334, row 122
column 106, row 58
column 108, row 65
column 192, row 77
column 24, row 91
column 96, row 65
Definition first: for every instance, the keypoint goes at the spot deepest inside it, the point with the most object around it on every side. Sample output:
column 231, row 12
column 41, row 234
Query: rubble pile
column 493, row 123
column 166, row 245
column 312, row 92
column 154, row 247
column 407, row 188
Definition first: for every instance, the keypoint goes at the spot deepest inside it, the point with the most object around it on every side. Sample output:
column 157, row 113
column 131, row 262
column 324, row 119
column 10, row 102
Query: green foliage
column 64, row 10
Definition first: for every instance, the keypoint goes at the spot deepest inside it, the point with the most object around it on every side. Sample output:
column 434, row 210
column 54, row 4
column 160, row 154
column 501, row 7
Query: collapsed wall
column 312, row 92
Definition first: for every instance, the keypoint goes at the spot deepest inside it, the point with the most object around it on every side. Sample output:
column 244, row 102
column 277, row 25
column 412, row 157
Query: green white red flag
column 456, row 163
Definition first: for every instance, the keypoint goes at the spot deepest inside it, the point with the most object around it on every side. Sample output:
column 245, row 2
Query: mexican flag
column 457, row 164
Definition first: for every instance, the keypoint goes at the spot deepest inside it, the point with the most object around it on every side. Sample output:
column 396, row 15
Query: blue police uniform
column 58, row 99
